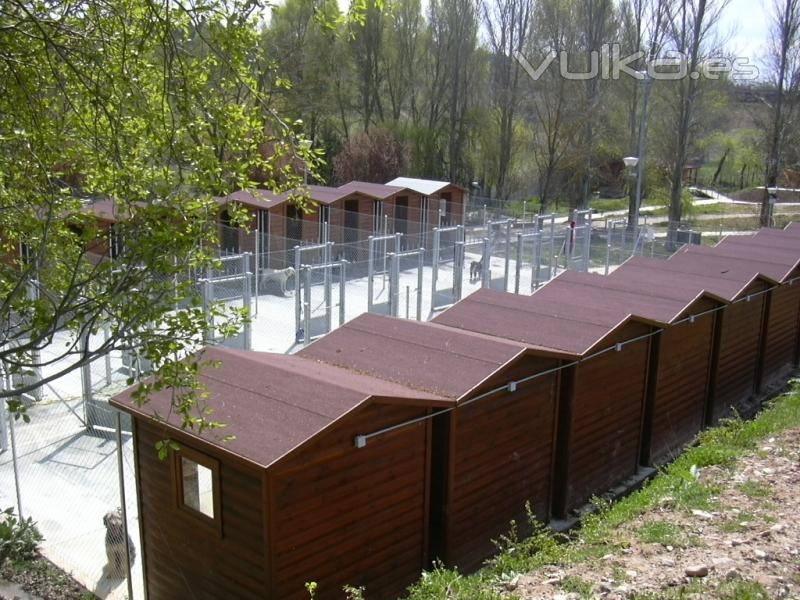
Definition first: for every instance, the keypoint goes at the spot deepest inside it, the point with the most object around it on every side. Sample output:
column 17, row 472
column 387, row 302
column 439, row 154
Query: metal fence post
column 15, row 465
column 123, row 506
column 535, row 260
column 486, row 257
column 435, row 265
column 107, row 355
column 297, row 269
column 419, row 282
column 508, row 256
column 307, row 304
column 342, row 281
column 328, row 289
column 459, row 251
column 370, row 272
column 86, row 375
column 248, row 302
column 4, row 416
column 518, row 266
column 208, row 334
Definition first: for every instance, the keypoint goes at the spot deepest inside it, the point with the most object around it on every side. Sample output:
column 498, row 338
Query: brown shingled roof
column 713, row 262
column 629, row 293
column 538, row 323
column 274, row 402
column 254, row 198
column 716, row 279
column 441, row 360
column 378, row 191
column 777, row 263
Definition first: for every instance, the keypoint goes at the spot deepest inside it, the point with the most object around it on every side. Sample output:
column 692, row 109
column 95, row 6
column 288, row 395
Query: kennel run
column 389, row 443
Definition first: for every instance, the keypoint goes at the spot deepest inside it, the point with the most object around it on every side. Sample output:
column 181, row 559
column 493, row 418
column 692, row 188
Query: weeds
column 676, row 487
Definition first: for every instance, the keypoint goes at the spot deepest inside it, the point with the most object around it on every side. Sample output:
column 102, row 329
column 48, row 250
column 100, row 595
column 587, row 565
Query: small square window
column 197, row 485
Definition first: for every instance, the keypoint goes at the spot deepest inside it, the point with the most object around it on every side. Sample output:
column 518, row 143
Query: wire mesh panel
column 318, row 300
column 499, row 253
column 243, row 339
column 406, row 284
column 447, row 266
column 546, row 249
column 309, row 256
column 65, row 475
column 527, row 245
column 381, row 248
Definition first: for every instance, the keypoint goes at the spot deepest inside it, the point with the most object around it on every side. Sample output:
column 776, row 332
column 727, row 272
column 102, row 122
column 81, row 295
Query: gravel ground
column 747, row 546
column 40, row 580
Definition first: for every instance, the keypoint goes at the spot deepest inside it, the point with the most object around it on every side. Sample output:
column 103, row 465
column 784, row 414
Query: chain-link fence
column 70, row 468
column 63, row 468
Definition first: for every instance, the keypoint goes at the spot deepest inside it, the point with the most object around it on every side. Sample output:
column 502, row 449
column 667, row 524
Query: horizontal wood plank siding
column 186, row 559
column 606, row 418
column 502, row 456
column 683, row 374
column 782, row 331
column 738, row 355
column 347, row 515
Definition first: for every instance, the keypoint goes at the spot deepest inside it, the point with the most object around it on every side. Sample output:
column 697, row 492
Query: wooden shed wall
column 782, row 330
column 681, row 389
column 230, row 565
column 346, row 515
column 739, row 344
column 603, row 430
column 501, row 452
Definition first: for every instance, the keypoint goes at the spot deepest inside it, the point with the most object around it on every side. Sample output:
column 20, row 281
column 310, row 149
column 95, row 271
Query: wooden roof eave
column 621, row 325
column 703, row 295
column 188, row 437
column 439, row 403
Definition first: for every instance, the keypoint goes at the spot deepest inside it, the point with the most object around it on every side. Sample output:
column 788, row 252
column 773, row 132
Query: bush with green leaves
column 19, row 538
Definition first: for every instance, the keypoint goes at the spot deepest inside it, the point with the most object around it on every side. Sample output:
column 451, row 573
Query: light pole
column 648, row 86
column 631, row 162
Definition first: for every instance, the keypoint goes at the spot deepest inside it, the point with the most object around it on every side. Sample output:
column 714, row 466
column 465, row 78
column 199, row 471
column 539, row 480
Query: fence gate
column 447, row 267
column 316, row 317
column 527, row 247
column 310, row 256
column 579, row 237
column 545, row 249
column 237, row 286
column 499, row 240
column 378, row 263
column 399, row 290
column 616, row 235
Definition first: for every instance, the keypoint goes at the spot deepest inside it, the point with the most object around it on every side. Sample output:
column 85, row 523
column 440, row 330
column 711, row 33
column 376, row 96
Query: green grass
column 742, row 522
column 755, row 489
column 675, row 486
column 664, row 533
column 577, row 585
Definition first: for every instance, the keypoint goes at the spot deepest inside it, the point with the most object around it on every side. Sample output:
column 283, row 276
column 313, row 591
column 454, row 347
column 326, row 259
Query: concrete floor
column 68, row 481
column 69, row 477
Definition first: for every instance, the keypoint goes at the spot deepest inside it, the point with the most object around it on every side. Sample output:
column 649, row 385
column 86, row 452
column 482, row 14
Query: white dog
column 279, row 276
column 115, row 542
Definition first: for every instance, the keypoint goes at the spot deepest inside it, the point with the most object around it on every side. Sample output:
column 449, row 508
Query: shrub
column 18, row 537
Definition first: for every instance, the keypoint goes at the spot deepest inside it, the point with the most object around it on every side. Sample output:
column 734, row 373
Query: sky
column 746, row 22
column 745, row 26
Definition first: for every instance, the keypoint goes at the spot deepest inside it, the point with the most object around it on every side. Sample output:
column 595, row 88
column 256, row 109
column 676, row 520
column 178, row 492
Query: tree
column 595, row 19
column 376, row 156
column 552, row 99
column 155, row 106
column 508, row 23
column 691, row 26
column 784, row 63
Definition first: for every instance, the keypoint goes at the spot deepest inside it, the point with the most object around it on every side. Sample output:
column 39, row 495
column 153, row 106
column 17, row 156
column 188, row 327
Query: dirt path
column 745, row 545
